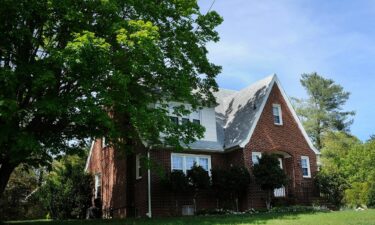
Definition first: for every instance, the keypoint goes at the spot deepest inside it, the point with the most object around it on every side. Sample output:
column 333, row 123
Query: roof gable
column 238, row 112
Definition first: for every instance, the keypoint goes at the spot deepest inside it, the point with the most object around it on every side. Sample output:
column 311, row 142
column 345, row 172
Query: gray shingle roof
column 235, row 114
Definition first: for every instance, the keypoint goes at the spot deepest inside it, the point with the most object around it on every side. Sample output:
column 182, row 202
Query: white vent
column 187, row 210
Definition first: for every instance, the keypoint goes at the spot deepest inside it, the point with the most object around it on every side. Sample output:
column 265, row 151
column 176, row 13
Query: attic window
column 174, row 119
column 277, row 116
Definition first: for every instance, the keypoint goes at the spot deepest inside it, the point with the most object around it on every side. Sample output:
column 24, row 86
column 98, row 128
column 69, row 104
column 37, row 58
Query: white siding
column 208, row 120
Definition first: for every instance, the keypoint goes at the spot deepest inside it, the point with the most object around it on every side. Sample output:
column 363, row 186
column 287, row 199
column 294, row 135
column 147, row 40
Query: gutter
column 149, row 213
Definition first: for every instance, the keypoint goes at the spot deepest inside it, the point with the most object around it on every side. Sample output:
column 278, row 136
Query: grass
column 366, row 217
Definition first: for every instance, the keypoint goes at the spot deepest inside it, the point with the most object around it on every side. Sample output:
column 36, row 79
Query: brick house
column 245, row 123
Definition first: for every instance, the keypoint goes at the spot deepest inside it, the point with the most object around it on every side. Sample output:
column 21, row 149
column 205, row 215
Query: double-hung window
column 185, row 162
column 305, row 164
column 277, row 115
column 255, row 156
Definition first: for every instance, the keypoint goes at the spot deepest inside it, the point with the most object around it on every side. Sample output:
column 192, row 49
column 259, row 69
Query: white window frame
column 278, row 106
column 280, row 163
column 98, row 184
column 308, row 166
column 184, row 156
column 257, row 154
column 104, row 143
column 138, row 166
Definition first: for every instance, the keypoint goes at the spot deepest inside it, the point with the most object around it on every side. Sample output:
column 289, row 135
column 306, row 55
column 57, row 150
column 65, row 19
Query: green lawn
column 333, row 218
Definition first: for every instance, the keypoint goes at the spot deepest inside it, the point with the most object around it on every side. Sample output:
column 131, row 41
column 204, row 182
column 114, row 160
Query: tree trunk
column 6, row 170
column 268, row 201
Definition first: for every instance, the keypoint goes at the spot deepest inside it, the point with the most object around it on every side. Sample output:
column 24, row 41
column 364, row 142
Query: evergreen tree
column 323, row 110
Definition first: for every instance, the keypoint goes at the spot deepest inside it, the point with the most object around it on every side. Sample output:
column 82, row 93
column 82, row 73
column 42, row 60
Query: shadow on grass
column 260, row 218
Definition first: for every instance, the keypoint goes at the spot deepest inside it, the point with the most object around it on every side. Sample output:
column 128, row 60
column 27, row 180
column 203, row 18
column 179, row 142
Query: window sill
column 138, row 178
column 278, row 124
column 306, row 177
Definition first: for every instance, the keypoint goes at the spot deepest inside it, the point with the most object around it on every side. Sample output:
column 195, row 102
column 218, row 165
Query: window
column 138, row 167
column 184, row 162
column 196, row 121
column 305, row 164
column 190, row 161
column 277, row 117
column 174, row 119
column 255, row 156
column 98, row 185
column 184, row 120
column 194, row 116
column 203, row 162
column 177, row 162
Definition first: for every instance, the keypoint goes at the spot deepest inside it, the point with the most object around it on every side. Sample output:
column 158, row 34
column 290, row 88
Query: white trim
column 98, row 184
column 308, row 167
column 138, row 166
column 259, row 113
column 296, row 118
column 290, row 107
column 278, row 106
column 196, row 156
column 281, row 163
column 89, row 157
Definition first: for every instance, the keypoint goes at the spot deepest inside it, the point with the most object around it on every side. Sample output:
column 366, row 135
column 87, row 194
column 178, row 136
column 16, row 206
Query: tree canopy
column 323, row 110
column 77, row 69
column 347, row 175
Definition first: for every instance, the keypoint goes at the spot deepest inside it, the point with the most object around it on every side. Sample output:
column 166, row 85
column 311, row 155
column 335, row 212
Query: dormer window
column 193, row 117
column 174, row 119
column 196, row 121
column 277, row 117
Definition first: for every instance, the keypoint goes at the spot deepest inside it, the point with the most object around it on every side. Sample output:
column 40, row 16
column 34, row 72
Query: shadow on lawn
column 260, row 218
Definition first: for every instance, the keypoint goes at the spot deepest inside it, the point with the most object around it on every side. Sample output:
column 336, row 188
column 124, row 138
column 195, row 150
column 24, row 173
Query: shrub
column 357, row 194
column 371, row 195
column 269, row 175
column 67, row 192
column 177, row 182
column 198, row 177
column 332, row 186
column 230, row 184
column 18, row 200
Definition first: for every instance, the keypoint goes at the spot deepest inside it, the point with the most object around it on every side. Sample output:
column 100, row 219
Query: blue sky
column 334, row 38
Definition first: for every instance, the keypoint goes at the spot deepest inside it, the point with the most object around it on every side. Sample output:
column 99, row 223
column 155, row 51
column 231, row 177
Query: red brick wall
column 165, row 203
column 112, row 166
column 128, row 195
column 268, row 137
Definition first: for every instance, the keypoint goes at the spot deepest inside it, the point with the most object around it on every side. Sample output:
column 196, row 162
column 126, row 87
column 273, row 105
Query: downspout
column 149, row 213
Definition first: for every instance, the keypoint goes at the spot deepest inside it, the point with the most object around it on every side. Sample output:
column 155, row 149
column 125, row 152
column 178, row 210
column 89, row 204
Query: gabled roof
column 238, row 112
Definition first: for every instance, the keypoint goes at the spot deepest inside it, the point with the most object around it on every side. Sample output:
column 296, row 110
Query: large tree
column 77, row 69
column 323, row 110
